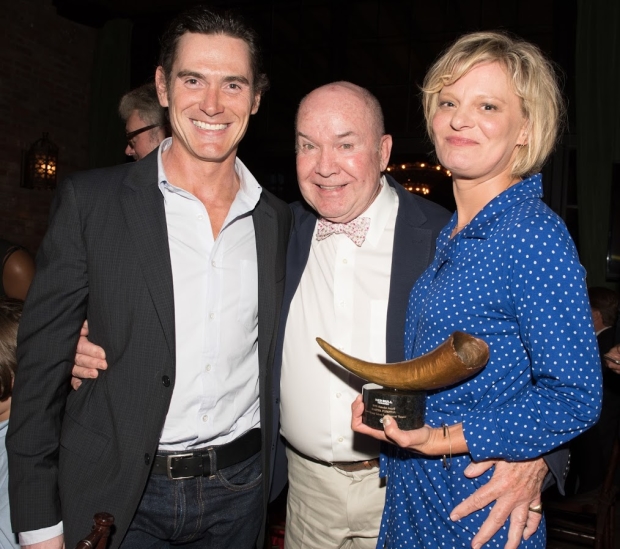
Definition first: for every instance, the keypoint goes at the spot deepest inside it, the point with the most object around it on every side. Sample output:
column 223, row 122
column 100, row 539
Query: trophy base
column 406, row 407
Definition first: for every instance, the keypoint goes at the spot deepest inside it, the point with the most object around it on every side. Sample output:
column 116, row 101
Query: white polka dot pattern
column 511, row 277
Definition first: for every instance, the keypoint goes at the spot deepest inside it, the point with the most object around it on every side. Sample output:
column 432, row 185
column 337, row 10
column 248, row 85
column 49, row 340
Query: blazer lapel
column 265, row 231
column 412, row 252
column 298, row 252
column 143, row 207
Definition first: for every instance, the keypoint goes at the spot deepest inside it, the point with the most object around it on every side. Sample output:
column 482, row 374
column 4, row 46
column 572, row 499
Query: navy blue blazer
column 418, row 223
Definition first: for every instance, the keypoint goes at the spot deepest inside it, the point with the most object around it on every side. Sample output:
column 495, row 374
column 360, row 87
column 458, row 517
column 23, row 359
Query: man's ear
column 256, row 103
column 161, row 86
column 385, row 150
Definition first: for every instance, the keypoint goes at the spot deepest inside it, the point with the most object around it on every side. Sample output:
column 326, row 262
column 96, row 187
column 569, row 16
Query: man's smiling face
column 340, row 152
column 210, row 95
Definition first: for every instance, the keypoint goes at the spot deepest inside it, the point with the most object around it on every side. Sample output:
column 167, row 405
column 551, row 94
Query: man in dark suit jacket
column 342, row 149
column 121, row 249
column 592, row 450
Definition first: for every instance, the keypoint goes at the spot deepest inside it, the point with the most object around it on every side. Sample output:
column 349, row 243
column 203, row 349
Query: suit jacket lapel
column 298, row 253
column 143, row 208
column 413, row 247
column 265, row 231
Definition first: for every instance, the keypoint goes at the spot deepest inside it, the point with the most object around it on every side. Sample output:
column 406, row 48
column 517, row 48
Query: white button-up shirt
column 215, row 397
column 343, row 298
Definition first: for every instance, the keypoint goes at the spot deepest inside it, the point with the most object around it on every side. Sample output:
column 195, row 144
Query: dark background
column 66, row 63
column 384, row 45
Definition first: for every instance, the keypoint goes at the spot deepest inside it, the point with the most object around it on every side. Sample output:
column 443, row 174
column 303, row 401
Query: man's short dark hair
column 606, row 302
column 10, row 313
column 144, row 100
column 207, row 20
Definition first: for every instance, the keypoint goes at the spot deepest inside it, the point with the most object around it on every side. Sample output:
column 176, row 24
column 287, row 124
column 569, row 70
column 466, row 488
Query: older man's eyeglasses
column 131, row 135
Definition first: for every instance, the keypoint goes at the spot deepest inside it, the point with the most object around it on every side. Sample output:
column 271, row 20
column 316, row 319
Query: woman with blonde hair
column 506, row 271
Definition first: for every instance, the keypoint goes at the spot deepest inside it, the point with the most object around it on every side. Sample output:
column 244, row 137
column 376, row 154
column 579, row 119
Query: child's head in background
column 10, row 313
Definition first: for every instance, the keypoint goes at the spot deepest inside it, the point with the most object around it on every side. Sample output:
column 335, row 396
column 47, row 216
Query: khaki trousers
column 330, row 509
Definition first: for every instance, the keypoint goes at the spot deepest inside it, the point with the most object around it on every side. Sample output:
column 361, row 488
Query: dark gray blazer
column 105, row 257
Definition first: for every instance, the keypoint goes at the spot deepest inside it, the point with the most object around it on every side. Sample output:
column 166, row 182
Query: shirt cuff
column 42, row 534
column 483, row 437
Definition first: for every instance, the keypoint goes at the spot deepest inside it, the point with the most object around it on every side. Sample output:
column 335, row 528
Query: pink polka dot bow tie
column 356, row 229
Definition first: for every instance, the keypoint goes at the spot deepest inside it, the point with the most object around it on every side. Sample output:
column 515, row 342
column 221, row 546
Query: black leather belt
column 198, row 464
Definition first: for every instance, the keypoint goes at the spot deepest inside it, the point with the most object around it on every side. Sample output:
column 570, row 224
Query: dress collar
column 481, row 226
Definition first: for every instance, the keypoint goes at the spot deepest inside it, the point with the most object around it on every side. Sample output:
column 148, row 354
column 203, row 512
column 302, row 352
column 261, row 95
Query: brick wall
column 46, row 63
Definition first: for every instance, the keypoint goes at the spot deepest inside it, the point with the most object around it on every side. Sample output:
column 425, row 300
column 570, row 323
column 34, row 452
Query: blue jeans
column 223, row 511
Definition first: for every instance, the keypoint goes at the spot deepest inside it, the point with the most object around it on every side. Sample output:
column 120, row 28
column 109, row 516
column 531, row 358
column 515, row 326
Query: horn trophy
column 405, row 383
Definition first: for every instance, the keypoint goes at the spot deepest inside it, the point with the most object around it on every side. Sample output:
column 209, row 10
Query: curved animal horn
column 457, row 358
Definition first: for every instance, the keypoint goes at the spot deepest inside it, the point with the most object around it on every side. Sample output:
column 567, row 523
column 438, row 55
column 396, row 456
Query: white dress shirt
column 343, row 298
column 216, row 395
column 602, row 330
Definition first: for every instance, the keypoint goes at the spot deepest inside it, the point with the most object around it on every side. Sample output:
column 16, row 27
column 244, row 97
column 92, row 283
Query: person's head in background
column 604, row 306
column 17, row 268
column 10, row 313
column 145, row 120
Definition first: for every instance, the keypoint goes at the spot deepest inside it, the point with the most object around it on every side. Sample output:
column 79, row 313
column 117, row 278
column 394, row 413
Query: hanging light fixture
column 39, row 165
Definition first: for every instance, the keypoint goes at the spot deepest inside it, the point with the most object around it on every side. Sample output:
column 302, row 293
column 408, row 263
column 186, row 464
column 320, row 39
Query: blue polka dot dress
column 511, row 277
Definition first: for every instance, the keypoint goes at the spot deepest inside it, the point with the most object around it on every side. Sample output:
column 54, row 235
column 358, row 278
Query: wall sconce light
column 39, row 165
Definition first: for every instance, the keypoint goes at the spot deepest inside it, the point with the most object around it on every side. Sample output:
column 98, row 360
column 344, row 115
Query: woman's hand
column 426, row 440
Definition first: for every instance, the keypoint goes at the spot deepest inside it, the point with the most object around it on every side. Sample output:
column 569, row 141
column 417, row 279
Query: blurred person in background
column 145, row 120
column 591, row 451
column 10, row 313
column 17, row 270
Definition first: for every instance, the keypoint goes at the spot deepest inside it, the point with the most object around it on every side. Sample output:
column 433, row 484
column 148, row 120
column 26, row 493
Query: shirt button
column 166, row 381
column 214, row 263
column 208, row 368
column 345, row 261
column 338, row 395
column 211, row 316
column 205, row 418
column 340, row 439
column 147, row 459
column 200, row 216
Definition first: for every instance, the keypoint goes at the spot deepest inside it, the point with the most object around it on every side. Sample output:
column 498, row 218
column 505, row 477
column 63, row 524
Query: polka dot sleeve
column 550, row 305
column 511, row 277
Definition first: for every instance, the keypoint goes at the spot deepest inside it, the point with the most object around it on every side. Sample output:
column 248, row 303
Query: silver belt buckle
column 169, row 465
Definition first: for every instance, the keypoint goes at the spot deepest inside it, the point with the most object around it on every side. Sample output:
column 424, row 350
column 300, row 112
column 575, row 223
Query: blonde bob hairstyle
column 534, row 80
